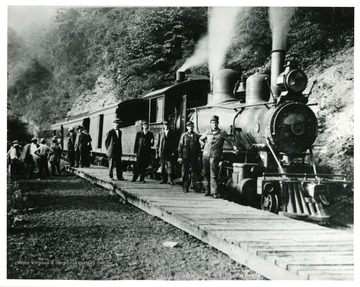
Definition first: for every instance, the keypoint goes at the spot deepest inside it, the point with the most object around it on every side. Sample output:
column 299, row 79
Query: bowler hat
column 15, row 142
column 144, row 122
column 214, row 118
column 189, row 123
column 34, row 139
column 71, row 129
column 80, row 127
column 116, row 121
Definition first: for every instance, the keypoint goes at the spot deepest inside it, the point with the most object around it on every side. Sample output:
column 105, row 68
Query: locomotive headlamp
column 296, row 81
column 292, row 81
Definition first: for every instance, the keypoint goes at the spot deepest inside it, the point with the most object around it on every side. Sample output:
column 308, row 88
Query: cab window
column 157, row 110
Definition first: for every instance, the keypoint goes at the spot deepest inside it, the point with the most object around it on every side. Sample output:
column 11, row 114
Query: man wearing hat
column 71, row 146
column 165, row 151
column 144, row 140
column 85, row 148
column 55, row 156
column 213, row 140
column 77, row 146
column 14, row 156
column 189, row 156
column 28, row 156
column 43, row 152
column 113, row 146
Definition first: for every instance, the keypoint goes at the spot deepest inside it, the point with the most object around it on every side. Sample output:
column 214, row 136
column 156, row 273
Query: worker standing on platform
column 71, row 146
column 77, row 146
column 113, row 144
column 85, row 148
column 189, row 156
column 144, row 140
column 213, row 140
column 165, row 151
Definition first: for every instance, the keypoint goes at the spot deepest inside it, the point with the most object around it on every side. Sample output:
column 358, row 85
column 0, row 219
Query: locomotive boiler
column 275, row 129
column 268, row 117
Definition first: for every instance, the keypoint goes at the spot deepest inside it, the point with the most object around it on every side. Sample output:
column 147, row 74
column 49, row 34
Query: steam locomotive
column 269, row 119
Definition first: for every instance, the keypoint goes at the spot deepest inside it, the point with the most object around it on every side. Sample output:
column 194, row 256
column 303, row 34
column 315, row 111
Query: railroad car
column 268, row 117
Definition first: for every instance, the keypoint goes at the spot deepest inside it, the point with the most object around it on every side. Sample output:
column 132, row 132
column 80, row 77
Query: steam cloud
column 222, row 20
column 200, row 55
column 221, row 32
column 279, row 23
column 214, row 46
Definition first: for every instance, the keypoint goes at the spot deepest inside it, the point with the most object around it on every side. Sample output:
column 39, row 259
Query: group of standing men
column 189, row 154
column 189, row 151
column 79, row 147
column 25, row 159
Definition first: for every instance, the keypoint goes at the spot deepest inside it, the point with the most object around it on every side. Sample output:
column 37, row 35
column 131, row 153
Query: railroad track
column 277, row 247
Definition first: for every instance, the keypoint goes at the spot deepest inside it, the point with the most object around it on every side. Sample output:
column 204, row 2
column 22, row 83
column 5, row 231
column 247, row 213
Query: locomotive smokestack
column 277, row 66
column 223, row 85
column 280, row 18
column 180, row 76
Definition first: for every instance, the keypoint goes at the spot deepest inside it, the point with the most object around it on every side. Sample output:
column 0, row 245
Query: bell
column 240, row 90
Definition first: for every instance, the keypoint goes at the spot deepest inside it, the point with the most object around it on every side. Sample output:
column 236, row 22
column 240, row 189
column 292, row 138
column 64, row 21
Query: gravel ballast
column 70, row 229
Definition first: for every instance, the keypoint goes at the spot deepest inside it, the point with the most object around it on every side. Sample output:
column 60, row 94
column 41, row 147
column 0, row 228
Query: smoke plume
column 200, row 55
column 221, row 32
column 279, row 23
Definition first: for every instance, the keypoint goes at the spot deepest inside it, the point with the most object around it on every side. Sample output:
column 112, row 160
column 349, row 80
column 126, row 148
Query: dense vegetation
column 138, row 50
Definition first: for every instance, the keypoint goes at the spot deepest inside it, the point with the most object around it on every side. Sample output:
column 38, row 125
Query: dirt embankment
column 334, row 152
column 334, row 93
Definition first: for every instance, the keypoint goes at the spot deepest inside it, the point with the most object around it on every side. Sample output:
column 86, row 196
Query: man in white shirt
column 28, row 156
column 14, row 155
column 43, row 151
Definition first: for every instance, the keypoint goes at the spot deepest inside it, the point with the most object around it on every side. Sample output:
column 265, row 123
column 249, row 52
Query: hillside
column 101, row 96
column 88, row 58
column 334, row 93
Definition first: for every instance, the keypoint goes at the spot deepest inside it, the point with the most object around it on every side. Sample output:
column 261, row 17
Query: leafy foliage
column 17, row 130
column 139, row 48
column 318, row 31
column 252, row 43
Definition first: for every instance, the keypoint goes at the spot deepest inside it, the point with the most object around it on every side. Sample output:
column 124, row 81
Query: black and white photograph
column 178, row 143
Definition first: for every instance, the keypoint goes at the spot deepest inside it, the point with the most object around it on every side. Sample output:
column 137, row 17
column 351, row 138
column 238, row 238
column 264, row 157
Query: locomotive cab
column 173, row 103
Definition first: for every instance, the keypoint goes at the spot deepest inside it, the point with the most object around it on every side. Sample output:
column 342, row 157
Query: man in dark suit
column 71, row 146
column 165, row 151
column 113, row 146
column 142, row 148
column 77, row 146
column 85, row 148
column 189, row 155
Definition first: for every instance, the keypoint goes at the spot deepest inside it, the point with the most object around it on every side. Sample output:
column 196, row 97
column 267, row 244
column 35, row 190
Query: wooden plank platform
column 277, row 247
